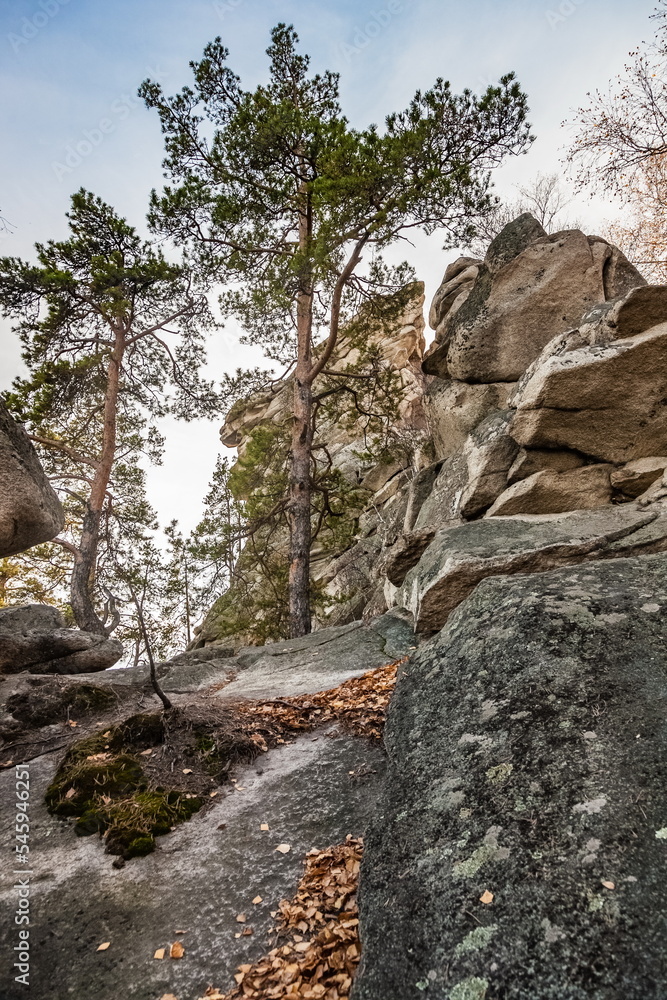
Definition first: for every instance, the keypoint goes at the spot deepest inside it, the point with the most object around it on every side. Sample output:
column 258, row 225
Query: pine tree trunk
column 298, row 508
column 83, row 575
column 299, row 511
column 82, row 589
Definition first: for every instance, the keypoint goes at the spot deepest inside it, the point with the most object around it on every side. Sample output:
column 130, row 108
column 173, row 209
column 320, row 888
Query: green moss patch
column 143, row 777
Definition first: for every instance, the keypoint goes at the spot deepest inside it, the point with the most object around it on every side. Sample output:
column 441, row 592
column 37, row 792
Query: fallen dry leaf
column 177, row 950
column 70, row 793
column 608, row 885
column 146, row 753
column 486, row 897
column 168, row 996
column 241, row 918
column 257, row 899
column 283, row 848
column 187, row 770
column 180, row 932
column 160, row 953
column 72, row 723
column 104, row 946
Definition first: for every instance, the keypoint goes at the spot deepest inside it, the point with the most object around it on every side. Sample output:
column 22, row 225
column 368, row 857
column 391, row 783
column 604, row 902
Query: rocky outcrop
column 531, row 287
column 605, row 400
column 470, row 480
column 455, row 409
column 554, row 492
column 34, row 637
column 460, row 557
column 519, row 846
column 30, row 512
column 544, row 388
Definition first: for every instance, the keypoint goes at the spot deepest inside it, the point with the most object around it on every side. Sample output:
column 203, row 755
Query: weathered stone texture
column 30, row 512
column 528, row 761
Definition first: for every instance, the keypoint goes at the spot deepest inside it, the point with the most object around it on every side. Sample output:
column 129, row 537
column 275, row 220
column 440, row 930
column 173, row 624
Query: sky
column 68, row 65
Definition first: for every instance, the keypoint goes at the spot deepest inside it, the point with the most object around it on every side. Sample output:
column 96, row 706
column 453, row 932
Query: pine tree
column 277, row 196
column 113, row 338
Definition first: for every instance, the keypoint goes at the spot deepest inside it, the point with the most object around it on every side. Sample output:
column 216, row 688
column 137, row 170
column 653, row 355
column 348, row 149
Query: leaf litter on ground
column 316, row 950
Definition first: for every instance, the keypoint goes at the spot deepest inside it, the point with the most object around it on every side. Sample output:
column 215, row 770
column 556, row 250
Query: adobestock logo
column 225, row 7
column 31, row 26
column 374, row 27
column 565, row 10
column 77, row 151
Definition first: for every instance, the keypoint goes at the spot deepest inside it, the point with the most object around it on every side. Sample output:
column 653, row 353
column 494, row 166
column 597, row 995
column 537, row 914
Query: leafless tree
column 620, row 130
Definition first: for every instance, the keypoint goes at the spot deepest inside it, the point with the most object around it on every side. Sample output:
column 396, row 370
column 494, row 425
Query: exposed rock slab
column 34, row 637
column 198, row 880
column 470, row 481
column 460, row 557
column 320, row 661
column 553, row 492
column 30, row 512
column 317, row 662
column 635, row 478
column 454, row 409
column 607, row 400
column 528, row 760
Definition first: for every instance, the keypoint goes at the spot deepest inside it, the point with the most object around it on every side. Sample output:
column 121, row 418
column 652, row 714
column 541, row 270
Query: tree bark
column 298, row 507
column 82, row 590
column 299, row 511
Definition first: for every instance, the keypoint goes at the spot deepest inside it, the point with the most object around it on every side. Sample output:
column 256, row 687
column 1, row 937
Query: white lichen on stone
column 501, row 772
column 470, row 989
column 552, row 933
column 591, row 807
column 489, row 851
column 475, row 940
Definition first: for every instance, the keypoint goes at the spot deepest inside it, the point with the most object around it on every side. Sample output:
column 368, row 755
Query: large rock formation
column 30, row 512
column 530, row 287
column 34, row 637
column 519, row 846
column 545, row 383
